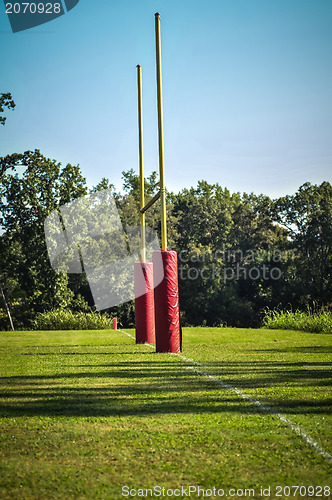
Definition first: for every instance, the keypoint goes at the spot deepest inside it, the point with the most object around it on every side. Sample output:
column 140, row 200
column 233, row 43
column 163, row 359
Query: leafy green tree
column 227, row 243
column 6, row 101
column 204, row 215
column 25, row 202
column 204, row 221
column 307, row 217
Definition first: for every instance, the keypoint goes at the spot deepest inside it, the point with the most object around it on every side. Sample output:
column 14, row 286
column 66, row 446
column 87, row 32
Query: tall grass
column 310, row 321
column 64, row 319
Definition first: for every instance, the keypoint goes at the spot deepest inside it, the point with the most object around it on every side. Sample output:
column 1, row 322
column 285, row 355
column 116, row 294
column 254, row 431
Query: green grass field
column 85, row 413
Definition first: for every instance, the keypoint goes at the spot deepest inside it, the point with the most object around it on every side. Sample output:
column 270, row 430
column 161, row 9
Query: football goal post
column 157, row 310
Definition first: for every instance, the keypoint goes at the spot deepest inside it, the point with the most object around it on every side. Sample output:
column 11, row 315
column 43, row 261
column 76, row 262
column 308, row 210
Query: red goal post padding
column 144, row 303
column 166, row 296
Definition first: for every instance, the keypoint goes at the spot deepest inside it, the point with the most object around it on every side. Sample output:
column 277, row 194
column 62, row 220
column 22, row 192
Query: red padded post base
column 144, row 303
column 166, row 297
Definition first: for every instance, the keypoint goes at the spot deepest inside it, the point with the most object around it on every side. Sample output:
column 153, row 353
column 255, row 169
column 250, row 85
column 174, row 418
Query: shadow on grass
column 300, row 349
column 159, row 387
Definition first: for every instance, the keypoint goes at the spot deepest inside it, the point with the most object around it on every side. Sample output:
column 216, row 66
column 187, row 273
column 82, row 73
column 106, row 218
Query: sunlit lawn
column 85, row 413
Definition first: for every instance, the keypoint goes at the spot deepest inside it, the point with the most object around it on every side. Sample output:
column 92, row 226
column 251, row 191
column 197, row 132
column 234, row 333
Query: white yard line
column 295, row 428
column 131, row 336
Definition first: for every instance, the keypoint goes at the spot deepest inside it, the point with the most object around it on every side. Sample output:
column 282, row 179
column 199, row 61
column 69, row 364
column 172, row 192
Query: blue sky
column 247, row 90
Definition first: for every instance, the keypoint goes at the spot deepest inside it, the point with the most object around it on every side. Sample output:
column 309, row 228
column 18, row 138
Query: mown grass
column 85, row 413
column 310, row 321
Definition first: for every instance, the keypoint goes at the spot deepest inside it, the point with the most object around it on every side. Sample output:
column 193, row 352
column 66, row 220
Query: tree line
column 238, row 253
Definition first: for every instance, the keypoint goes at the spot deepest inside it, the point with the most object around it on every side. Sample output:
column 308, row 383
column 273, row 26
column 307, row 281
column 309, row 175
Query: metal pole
column 7, row 308
column 141, row 166
column 161, row 136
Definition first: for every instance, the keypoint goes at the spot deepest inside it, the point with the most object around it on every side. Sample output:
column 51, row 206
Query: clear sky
column 247, row 90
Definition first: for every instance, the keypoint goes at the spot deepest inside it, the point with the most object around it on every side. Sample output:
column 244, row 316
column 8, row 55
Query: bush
column 314, row 322
column 64, row 319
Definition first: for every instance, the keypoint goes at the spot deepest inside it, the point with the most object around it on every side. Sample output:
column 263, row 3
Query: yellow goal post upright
column 164, row 262
column 143, row 270
column 141, row 162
